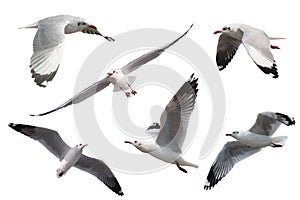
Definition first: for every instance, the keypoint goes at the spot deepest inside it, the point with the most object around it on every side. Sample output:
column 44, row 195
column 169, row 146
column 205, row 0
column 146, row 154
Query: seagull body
column 70, row 159
column 248, row 143
column 118, row 77
column 256, row 42
column 70, row 156
column 49, row 41
column 166, row 144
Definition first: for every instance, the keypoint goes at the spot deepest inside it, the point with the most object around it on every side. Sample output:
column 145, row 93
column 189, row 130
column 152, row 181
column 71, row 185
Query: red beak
column 109, row 74
column 218, row 31
column 128, row 142
column 92, row 26
column 229, row 134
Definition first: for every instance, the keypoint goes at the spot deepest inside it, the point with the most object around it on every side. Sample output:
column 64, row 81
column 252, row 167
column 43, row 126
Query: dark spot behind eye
column 135, row 141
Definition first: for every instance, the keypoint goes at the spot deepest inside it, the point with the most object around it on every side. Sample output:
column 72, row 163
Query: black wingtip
column 16, row 127
column 290, row 121
column 272, row 70
column 39, row 79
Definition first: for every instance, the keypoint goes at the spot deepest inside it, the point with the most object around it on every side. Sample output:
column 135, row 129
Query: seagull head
column 81, row 146
column 114, row 74
column 227, row 29
column 82, row 24
column 234, row 134
column 139, row 145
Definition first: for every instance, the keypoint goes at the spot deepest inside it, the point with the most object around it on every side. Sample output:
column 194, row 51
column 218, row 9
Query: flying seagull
column 248, row 143
column 70, row 156
column 174, row 122
column 118, row 77
column 256, row 42
column 49, row 41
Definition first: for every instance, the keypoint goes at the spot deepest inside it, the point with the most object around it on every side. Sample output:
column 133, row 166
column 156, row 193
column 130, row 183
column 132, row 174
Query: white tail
column 276, row 38
column 280, row 140
column 186, row 163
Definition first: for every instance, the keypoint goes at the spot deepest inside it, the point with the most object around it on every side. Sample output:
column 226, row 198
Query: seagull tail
column 186, row 163
column 34, row 25
column 280, row 140
column 277, row 38
column 60, row 172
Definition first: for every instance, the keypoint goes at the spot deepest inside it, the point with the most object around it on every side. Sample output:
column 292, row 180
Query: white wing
column 257, row 45
column 47, row 50
column 133, row 65
column 82, row 95
column 175, row 118
column 268, row 122
column 231, row 153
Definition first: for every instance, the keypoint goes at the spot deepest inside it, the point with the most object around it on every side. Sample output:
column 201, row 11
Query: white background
column 28, row 170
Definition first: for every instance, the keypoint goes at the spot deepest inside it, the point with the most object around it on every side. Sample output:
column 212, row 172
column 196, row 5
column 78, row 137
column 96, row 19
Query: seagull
column 248, row 143
column 256, row 42
column 118, row 77
column 49, row 41
column 70, row 156
column 167, row 144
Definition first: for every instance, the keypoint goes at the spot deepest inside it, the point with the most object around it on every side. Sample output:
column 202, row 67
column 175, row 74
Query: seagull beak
column 218, row 31
column 229, row 134
column 92, row 26
column 109, row 74
column 128, row 142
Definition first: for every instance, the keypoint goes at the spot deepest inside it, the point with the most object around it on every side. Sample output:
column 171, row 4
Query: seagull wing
column 227, row 47
column 99, row 169
column 133, row 65
column 231, row 153
column 47, row 50
column 268, row 122
column 175, row 118
column 257, row 45
column 47, row 137
column 81, row 96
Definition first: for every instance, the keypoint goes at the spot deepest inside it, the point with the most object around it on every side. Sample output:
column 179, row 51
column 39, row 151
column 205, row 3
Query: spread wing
column 232, row 153
column 133, row 65
column 47, row 50
column 227, row 47
column 47, row 137
column 99, row 169
column 175, row 118
column 81, row 96
column 268, row 122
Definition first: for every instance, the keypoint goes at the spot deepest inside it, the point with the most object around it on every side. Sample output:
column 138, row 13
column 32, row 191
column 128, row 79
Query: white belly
column 256, row 140
column 166, row 155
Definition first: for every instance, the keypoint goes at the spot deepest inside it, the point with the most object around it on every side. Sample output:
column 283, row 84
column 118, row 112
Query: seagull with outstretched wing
column 248, row 143
column 68, row 156
column 49, row 41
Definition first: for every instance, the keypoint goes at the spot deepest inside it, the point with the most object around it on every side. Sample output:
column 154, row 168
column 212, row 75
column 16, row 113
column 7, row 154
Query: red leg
column 132, row 91
column 180, row 168
column 126, row 93
column 274, row 47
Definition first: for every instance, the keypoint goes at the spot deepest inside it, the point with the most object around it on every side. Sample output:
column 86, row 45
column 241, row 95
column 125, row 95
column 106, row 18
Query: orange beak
column 218, row 31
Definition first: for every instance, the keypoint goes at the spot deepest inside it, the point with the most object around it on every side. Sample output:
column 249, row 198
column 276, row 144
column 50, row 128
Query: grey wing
column 81, row 96
column 175, row 118
column 99, row 169
column 47, row 137
column 133, row 65
column 257, row 45
column 227, row 47
column 268, row 122
column 47, row 51
column 231, row 153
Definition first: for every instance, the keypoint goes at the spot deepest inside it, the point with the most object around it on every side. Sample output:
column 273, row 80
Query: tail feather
column 186, row 163
column 280, row 140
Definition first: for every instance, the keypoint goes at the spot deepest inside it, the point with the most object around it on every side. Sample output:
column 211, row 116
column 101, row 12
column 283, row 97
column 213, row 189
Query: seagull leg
column 132, row 91
column 276, row 145
column 274, row 47
column 126, row 93
column 180, row 168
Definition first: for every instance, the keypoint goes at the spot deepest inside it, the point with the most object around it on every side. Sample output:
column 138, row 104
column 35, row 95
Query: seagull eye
column 81, row 23
column 135, row 141
column 226, row 28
